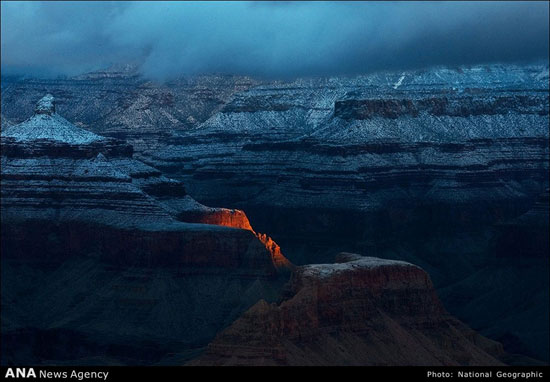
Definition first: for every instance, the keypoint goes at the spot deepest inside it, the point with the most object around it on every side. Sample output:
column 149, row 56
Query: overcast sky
column 169, row 39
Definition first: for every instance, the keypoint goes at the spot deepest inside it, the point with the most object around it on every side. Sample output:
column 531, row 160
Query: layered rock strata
column 441, row 137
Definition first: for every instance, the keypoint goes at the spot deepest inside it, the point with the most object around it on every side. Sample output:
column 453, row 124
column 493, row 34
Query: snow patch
column 399, row 82
column 328, row 270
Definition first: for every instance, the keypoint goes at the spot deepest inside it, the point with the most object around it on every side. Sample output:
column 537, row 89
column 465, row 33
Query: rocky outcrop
column 358, row 311
column 196, row 212
column 189, row 210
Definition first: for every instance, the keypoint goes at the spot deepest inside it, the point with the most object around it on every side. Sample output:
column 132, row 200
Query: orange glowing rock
column 236, row 219
column 279, row 260
column 224, row 217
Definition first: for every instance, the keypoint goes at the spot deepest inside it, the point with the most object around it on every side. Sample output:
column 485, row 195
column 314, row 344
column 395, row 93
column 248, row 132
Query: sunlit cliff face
column 226, row 217
column 238, row 219
column 279, row 260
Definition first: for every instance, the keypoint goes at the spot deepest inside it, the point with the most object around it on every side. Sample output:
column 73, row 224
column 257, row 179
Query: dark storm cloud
column 273, row 39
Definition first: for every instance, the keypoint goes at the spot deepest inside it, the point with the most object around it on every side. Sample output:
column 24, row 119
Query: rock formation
column 358, row 311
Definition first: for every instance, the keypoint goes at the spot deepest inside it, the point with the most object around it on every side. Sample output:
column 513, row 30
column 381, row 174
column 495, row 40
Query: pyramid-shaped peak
column 47, row 124
column 46, row 105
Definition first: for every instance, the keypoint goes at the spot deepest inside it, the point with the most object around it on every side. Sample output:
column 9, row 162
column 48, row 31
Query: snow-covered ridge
column 306, row 107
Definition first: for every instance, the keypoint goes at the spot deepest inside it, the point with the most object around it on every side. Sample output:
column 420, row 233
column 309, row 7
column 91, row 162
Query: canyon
column 444, row 168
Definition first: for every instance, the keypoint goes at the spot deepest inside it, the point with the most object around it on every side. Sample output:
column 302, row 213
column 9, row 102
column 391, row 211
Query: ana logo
column 20, row 372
